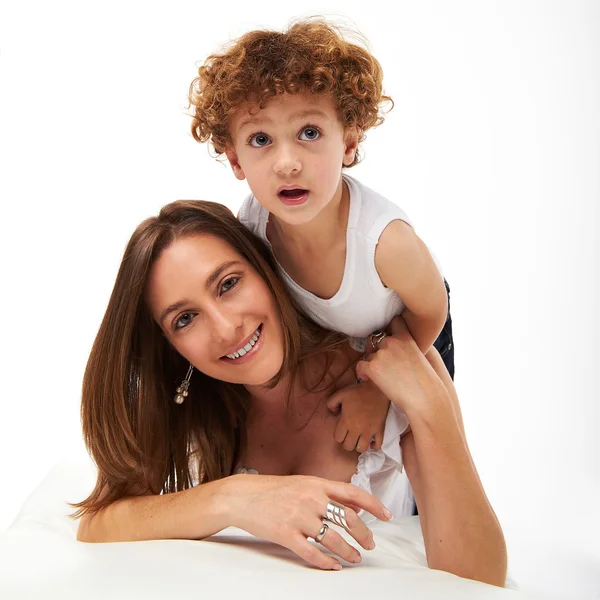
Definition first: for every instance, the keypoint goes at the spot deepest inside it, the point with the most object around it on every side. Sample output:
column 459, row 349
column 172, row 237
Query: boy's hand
column 363, row 411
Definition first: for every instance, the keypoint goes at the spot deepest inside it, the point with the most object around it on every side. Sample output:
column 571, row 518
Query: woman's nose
column 226, row 325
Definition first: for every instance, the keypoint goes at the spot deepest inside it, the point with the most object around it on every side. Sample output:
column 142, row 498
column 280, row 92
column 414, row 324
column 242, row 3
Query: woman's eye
column 228, row 284
column 184, row 320
column 308, row 134
column 259, row 140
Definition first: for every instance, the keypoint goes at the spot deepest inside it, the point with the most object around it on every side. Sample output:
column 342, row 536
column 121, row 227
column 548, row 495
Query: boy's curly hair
column 310, row 57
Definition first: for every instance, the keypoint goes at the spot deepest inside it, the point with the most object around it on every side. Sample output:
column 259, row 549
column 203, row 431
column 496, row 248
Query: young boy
column 289, row 111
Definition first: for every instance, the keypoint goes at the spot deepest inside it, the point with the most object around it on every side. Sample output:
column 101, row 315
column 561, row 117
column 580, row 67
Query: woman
column 203, row 371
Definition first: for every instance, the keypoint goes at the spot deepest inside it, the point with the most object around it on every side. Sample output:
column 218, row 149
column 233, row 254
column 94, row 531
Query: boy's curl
column 311, row 57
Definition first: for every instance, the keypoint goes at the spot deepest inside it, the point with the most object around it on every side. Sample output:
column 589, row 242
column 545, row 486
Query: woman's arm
column 191, row 514
column 284, row 510
column 461, row 532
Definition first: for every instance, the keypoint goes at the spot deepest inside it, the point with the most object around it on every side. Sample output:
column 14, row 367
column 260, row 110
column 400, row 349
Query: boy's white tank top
column 362, row 304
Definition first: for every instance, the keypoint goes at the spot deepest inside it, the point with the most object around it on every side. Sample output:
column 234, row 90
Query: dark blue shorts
column 445, row 343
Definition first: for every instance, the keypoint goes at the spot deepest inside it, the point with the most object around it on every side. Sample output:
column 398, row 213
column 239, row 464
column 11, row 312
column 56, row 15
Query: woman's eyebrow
column 172, row 308
column 209, row 282
column 217, row 272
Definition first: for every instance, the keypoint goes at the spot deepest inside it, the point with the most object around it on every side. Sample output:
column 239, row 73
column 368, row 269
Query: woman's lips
column 251, row 353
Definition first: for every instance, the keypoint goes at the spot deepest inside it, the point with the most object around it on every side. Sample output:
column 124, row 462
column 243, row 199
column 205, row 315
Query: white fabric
column 362, row 304
column 380, row 472
column 40, row 558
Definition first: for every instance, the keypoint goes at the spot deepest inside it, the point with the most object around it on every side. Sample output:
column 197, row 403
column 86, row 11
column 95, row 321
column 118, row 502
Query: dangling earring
column 182, row 390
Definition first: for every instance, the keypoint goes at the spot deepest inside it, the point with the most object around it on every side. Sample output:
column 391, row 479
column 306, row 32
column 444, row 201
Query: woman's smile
column 248, row 350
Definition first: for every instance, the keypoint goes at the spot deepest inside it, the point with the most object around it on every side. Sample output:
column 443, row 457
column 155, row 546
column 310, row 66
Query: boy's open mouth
column 295, row 193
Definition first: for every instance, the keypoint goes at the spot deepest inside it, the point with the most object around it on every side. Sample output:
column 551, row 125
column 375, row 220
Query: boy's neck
column 326, row 230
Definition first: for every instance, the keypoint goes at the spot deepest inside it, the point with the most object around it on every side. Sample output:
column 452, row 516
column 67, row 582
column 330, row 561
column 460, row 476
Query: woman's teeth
column 247, row 347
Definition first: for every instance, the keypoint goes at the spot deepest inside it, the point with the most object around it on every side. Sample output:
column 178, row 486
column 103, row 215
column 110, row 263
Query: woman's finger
column 363, row 369
column 334, row 542
column 358, row 530
column 349, row 494
column 312, row 554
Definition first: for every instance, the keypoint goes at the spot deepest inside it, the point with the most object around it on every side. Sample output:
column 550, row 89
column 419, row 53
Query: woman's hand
column 401, row 371
column 289, row 509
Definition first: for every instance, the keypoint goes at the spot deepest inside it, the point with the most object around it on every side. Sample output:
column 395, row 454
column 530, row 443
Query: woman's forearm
column 461, row 531
column 462, row 534
column 191, row 514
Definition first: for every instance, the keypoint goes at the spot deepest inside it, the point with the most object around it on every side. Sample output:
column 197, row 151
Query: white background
column 492, row 149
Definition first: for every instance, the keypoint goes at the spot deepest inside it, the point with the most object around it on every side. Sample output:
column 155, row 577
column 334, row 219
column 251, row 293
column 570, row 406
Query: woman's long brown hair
column 136, row 434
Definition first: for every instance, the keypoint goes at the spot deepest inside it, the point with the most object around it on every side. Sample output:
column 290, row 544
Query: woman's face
column 216, row 310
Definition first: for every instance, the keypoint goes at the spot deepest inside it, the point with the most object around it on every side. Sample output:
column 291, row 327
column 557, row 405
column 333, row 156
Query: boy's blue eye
column 258, row 140
column 310, row 134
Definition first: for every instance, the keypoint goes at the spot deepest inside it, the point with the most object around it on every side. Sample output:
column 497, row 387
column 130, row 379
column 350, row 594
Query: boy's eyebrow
column 209, row 282
column 301, row 114
column 309, row 112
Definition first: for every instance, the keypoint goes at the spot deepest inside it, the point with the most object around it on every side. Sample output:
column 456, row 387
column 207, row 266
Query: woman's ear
column 232, row 157
column 351, row 138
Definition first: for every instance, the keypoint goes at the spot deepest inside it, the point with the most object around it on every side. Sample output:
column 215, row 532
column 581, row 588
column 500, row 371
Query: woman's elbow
column 83, row 529
column 487, row 566
column 90, row 529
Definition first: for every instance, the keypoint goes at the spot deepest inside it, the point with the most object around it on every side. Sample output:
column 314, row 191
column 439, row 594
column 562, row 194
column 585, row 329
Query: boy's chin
column 297, row 215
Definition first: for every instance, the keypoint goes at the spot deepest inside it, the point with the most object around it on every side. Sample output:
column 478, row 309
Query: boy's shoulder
column 375, row 209
column 252, row 214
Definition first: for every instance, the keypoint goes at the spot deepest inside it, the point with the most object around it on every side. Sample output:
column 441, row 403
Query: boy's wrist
column 373, row 390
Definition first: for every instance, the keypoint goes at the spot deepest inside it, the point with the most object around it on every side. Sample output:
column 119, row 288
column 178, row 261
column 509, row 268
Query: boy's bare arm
column 405, row 264
column 362, row 409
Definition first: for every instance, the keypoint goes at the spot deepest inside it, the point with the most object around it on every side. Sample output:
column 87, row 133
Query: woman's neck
column 265, row 395
column 309, row 375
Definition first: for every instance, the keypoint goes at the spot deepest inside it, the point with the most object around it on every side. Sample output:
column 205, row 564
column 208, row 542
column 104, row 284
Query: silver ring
column 376, row 338
column 319, row 537
column 336, row 513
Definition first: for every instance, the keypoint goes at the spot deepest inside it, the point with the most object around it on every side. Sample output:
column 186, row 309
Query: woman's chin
column 255, row 376
column 259, row 379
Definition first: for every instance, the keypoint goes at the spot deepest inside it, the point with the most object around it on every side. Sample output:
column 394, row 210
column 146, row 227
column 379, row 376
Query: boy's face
column 291, row 152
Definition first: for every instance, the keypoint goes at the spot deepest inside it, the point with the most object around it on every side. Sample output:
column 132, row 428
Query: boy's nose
column 286, row 161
